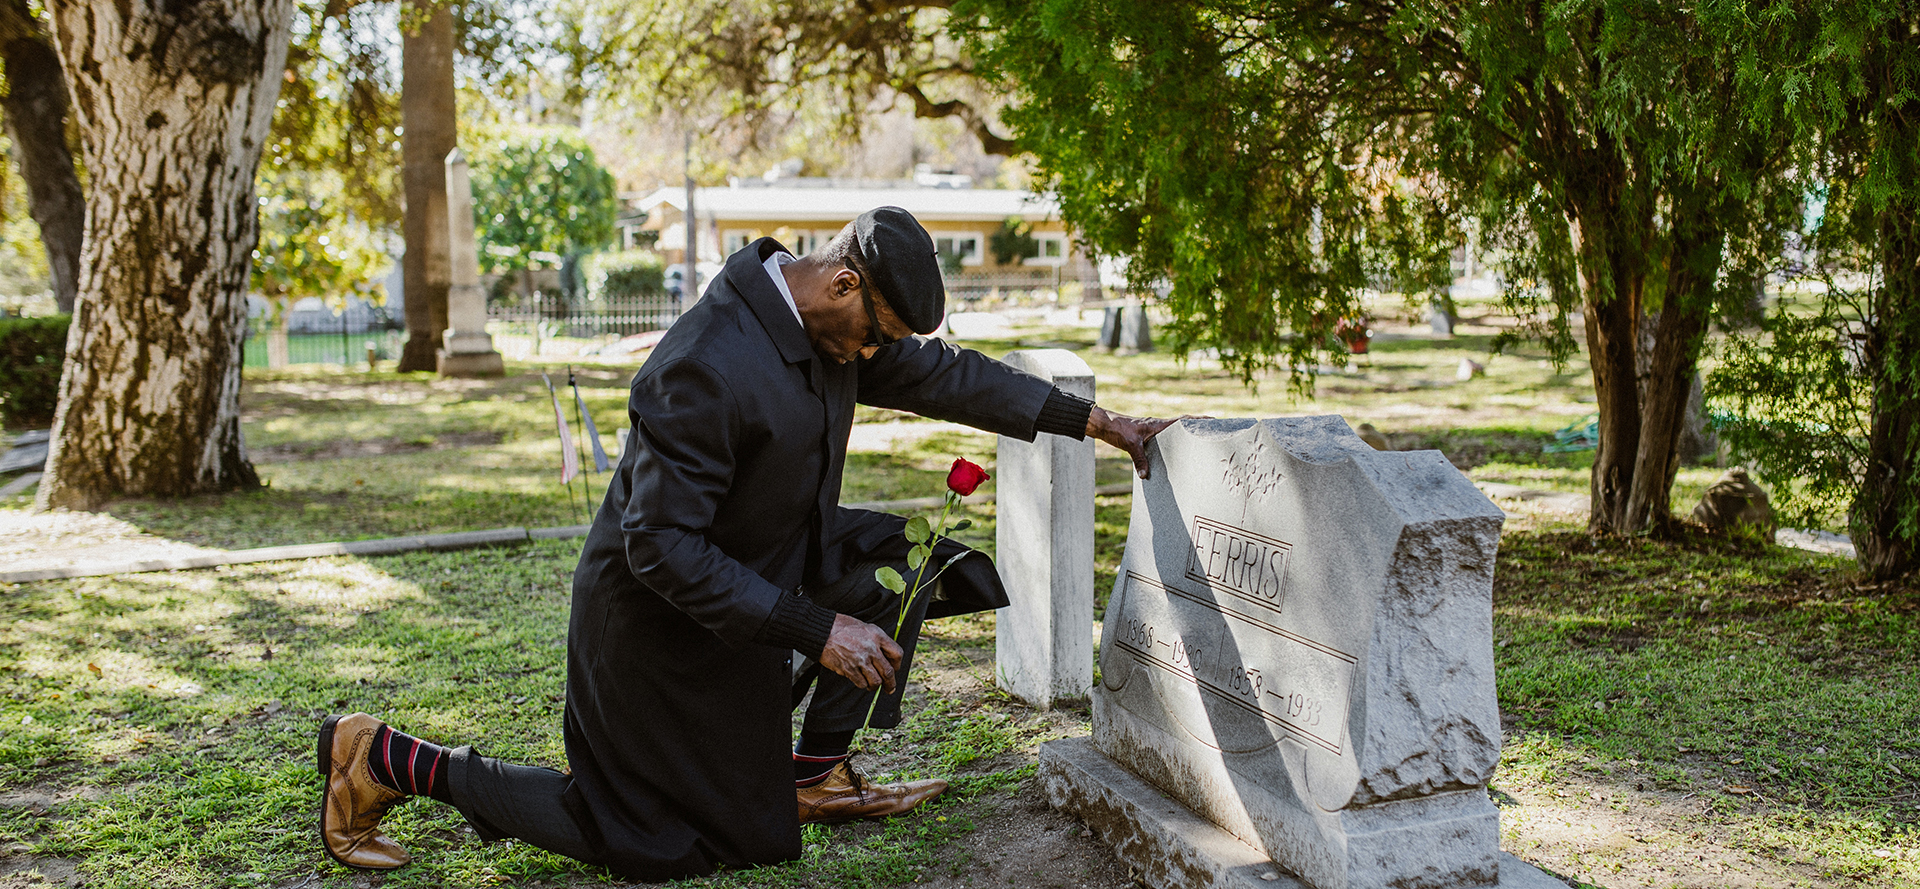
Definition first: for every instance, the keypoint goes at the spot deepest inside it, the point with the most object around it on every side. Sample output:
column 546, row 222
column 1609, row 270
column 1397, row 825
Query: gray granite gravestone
column 1136, row 335
column 1109, row 328
column 1043, row 640
column 1299, row 649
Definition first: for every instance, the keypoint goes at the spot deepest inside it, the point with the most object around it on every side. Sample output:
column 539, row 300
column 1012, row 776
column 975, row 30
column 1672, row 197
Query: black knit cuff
column 1064, row 414
column 799, row 624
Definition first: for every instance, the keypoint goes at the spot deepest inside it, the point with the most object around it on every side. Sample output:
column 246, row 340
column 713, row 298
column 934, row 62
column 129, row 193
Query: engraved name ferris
column 1239, row 561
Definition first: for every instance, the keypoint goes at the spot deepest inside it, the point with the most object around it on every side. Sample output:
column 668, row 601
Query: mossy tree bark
column 173, row 101
column 36, row 118
column 431, row 131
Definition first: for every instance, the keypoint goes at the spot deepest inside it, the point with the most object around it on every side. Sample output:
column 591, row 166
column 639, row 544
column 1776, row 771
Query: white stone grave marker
column 1299, row 648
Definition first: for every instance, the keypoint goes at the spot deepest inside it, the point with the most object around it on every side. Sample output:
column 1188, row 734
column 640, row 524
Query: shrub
column 32, row 352
column 626, row 277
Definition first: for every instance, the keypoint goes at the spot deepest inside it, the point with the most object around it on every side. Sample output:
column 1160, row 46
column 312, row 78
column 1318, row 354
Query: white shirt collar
column 772, row 265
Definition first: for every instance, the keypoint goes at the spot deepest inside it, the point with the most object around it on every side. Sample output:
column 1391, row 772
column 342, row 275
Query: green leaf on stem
column 918, row 556
column 963, row 524
column 919, row 529
column 890, row 579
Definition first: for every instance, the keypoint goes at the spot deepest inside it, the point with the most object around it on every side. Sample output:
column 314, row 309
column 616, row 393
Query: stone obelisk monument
column 468, row 350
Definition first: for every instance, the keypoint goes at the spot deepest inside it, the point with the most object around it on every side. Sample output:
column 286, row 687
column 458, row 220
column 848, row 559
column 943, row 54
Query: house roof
column 783, row 204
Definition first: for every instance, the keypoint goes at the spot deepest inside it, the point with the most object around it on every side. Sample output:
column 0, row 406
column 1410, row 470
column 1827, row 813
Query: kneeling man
column 721, row 550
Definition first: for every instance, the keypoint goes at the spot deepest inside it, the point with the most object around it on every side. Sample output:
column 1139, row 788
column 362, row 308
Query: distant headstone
column 1468, row 369
column 1698, row 439
column 1136, row 335
column 1299, row 648
column 1442, row 319
column 1109, row 329
column 469, row 349
column 1043, row 642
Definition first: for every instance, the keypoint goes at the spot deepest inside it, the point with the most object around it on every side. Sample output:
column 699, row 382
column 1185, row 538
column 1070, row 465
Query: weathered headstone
column 1043, row 650
column 1299, row 649
column 1441, row 320
column 1109, row 328
column 1136, row 335
column 469, row 349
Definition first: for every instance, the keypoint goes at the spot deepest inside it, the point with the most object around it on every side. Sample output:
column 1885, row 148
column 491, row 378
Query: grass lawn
column 1717, row 698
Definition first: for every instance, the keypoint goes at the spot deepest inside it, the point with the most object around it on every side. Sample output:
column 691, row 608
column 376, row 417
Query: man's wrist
column 1064, row 414
column 799, row 623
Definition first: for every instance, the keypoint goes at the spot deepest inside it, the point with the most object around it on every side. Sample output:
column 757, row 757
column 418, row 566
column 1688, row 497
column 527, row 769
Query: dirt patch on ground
column 34, row 872
column 339, row 449
column 1606, row 832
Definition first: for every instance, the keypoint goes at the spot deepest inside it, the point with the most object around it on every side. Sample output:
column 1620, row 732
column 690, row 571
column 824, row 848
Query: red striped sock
column 409, row 765
column 811, row 770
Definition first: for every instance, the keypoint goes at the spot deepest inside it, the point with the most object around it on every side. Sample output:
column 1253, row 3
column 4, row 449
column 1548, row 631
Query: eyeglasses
column 875, row 336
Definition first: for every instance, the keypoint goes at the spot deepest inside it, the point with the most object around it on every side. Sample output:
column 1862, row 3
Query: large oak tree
column 173, row 101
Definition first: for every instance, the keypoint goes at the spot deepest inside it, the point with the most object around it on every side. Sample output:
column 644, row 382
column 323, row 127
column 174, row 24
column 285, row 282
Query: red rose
column 964, row 477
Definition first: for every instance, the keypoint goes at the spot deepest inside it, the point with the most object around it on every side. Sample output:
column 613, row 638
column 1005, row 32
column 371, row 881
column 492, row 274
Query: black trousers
column 501, row 799
column 838, row 705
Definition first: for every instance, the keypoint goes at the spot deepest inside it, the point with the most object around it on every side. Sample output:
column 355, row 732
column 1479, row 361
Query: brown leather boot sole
column 844, row 796
column 353, row 803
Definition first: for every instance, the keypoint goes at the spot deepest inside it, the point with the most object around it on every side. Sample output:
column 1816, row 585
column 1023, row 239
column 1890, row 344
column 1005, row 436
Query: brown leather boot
column 353, row 803
column 843, row 796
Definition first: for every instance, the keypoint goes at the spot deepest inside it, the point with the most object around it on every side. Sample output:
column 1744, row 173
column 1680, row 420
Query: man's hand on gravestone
column 1129, row 434
column 862, row 652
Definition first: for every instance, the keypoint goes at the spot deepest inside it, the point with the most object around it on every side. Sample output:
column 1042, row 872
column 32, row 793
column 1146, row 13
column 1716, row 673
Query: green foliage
column 540, row 192
column 1168, row 135
column 1846, row 77
column 311, row 241
column 1796, row 411
column 337, row 122
column 1272, row 164
column 23, row 260
column 625, row 277
column 32, row 354
column 1013, row 241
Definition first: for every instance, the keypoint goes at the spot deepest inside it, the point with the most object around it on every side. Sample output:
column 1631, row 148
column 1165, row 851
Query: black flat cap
column 900, row 257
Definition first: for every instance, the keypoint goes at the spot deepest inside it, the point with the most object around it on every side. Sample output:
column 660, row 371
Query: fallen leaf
column 95, row 670
column 1739, row 788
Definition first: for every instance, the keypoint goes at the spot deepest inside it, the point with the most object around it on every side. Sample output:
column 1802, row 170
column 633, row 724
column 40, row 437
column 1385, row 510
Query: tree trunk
column 173, row 102
column 1679, row 328
column 428, row 114
column 1612, row 275
column 1885, row 516
column 36, row 116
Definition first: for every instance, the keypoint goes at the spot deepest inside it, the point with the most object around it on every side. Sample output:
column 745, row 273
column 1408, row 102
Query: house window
column 736, row 240
column 966, row 246
column 1052, row 250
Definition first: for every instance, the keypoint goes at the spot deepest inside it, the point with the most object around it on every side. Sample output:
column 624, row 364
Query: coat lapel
column 748, row 275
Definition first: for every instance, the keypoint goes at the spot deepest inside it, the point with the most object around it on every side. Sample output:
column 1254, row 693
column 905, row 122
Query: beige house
column 805, row 216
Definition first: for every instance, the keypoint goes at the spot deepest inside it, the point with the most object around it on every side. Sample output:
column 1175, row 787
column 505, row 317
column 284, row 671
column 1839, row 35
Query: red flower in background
column 965, row 476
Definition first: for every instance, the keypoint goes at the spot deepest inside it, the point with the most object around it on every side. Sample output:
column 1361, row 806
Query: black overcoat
column 678, row 726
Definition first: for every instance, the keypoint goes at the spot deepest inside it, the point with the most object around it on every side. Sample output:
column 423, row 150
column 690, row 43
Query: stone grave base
column 472, row 364
column 1168, row 845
